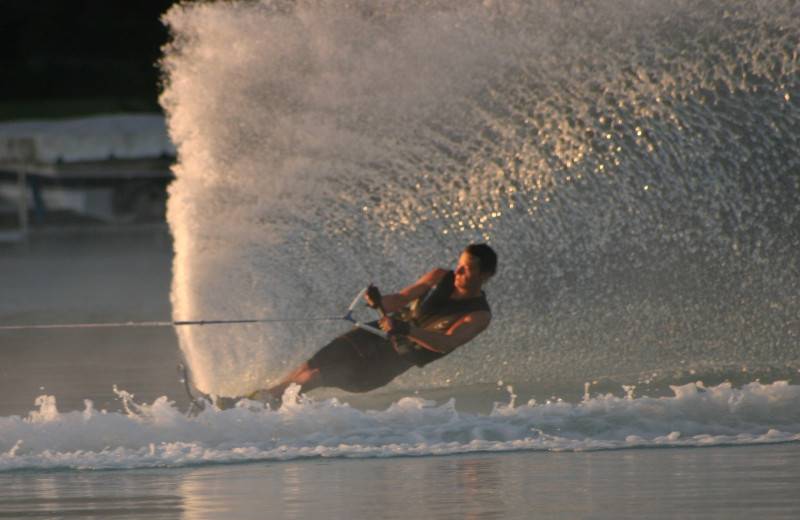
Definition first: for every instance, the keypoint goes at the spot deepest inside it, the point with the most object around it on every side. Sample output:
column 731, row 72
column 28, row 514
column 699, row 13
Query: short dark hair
column 486, row 256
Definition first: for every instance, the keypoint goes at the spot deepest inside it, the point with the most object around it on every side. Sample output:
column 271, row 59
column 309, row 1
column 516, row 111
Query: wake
column 161, row 435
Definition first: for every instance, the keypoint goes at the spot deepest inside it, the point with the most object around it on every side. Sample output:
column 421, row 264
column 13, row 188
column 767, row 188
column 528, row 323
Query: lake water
column 58, row 460
column 635, row 165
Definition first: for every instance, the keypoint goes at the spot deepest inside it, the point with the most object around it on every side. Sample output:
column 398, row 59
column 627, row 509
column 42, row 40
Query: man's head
column 475, row 265
column 486, row 256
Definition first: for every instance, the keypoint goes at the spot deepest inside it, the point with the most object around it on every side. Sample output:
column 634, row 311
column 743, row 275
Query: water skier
column 424, row 322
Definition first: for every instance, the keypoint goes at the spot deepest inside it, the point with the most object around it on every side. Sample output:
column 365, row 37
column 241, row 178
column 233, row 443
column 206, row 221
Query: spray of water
column 635, row 164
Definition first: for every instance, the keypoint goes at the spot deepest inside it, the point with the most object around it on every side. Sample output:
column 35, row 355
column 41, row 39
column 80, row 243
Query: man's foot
column 226, row 403
column 265, row 397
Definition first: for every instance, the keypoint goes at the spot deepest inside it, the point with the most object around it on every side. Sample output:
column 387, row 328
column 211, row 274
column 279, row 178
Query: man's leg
column 305, row 376
column 340, row 364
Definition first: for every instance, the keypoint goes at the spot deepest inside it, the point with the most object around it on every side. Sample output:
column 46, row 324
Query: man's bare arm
column 461, row 332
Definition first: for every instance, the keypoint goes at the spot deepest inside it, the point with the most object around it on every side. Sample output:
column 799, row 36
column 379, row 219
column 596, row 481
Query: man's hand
column 394, row 327
column 373, row 296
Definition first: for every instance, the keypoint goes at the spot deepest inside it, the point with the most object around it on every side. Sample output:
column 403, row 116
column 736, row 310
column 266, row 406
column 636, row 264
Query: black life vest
column 436, row 311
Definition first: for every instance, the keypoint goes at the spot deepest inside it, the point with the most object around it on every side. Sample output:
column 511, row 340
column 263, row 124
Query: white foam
column 160, row 435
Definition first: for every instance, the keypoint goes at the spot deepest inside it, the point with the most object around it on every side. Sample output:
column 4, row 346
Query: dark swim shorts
column 358, row 361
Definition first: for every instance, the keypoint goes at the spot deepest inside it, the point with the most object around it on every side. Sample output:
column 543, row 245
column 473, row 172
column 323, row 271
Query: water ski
column 197, row 399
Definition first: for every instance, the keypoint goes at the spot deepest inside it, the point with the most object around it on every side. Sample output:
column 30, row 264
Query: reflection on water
column 659, row 483
column 152, row 494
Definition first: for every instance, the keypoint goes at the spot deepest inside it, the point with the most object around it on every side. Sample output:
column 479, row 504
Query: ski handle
column 369, row 328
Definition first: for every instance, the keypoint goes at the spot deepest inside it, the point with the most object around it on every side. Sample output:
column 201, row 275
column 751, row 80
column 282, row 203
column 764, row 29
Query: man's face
column 468, row 275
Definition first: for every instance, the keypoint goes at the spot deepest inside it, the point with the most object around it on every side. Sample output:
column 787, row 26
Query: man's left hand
column 373, row 297
column 394, row 327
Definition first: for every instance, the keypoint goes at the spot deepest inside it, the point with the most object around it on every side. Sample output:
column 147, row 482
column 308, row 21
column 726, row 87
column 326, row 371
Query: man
column 440, row 312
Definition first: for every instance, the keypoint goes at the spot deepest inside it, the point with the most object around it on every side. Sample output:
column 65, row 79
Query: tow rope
column 348, row 316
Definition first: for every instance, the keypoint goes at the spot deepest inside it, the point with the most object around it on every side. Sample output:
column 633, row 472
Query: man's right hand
column 394, row 327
